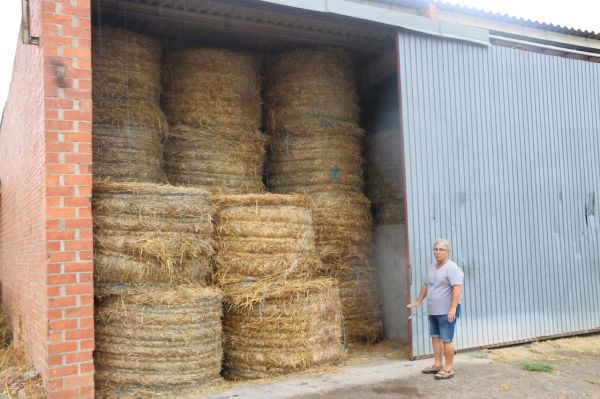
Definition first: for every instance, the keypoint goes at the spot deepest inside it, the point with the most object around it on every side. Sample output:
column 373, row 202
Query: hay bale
column 342, row 229
column 213, row 88
column 149, row 233
column 128, row 153
column 311, row 89
column 384, row 183
column 126, row 69
column 291, row 331
column 330, row 160
column 158, row 338
column 128, row 125
column 266, row 237
column 360, row 302
column 221, row 159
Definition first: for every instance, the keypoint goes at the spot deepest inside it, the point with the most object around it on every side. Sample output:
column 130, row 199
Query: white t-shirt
column 439, row 286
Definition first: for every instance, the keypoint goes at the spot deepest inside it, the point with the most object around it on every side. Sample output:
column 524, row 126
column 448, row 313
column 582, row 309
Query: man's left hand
column 452, row 315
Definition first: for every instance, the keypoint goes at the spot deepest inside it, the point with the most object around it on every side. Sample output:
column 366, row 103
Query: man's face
column 440, row 252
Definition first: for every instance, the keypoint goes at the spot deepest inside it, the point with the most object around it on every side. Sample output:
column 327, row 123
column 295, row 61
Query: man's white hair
column 444, row 242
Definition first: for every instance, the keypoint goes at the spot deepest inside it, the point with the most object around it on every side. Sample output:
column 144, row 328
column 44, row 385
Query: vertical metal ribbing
column 501, row 151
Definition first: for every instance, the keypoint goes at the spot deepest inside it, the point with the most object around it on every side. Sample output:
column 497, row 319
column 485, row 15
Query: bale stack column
column 213, row 104
column 316, row 148
column 279, row 318
column 158, row 327
column 128, row 125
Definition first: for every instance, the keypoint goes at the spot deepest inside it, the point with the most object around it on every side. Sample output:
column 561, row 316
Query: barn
column 355, row 133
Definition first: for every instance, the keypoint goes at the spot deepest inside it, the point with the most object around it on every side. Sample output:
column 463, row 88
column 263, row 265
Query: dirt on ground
column 18, row 378
column 572, row 371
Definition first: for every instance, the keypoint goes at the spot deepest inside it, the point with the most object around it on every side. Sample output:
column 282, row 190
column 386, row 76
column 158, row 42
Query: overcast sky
column 581, row 14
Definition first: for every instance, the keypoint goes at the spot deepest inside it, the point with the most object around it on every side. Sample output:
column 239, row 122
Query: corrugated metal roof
column 448, row 6
column 263, row 25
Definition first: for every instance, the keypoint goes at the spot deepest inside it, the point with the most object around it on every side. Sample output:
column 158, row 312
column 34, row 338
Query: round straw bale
column 126, row 67
column 271, row 239
column 157, row 337
column 283, row 334
column 342, row 228
column 130, row 152
column 360, row 302
column 329, row 161
column 213, row 87
column 224, row 159
column 384, row 183
column 151, row 233
column 311, row 88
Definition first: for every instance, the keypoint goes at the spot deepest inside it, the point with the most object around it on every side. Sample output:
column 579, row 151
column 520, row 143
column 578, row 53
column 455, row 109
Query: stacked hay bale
column 150, row 233
column 316, row 148
column 158, row 340
column 155, row 315
column 213, row 104
column 128, row 125
column 384, row 179
column 279, row 317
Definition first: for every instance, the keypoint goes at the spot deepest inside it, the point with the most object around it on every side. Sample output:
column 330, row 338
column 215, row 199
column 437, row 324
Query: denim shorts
column 439, row 326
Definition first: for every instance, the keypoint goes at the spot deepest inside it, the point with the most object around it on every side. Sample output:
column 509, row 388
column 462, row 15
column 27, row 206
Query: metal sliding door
column 502, row 156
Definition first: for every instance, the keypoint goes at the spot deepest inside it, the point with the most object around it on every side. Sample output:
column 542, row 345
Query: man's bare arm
column 456, row 292
column 419, row 300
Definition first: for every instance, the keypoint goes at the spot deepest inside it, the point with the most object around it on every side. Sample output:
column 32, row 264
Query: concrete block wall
column 46, row 238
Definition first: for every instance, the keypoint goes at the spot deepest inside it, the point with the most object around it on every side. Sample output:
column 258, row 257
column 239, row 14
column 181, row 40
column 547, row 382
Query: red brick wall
column 22, row 203
column 45, row 221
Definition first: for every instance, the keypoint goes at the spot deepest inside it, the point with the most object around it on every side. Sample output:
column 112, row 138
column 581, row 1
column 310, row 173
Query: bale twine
column 311, row 89
column 225, row 160
column 265, row 238
column 360, row 302
column 213, row 88
column 384, row 183
column 326, row 160
column 128, row 125
column 149, row 233
column 158, row 339
column 295, row 329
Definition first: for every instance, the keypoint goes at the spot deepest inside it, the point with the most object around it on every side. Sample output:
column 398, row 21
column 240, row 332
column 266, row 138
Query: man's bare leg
column 448, row 355
column 438, row 351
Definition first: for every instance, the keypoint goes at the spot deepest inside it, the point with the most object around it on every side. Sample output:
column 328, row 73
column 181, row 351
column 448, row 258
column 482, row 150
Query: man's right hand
column 413, row 305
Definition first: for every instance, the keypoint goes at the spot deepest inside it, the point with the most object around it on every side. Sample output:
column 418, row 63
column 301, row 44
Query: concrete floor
column 488, row 374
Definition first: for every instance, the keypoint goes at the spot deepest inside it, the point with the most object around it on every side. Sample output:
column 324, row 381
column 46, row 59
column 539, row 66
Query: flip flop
column 431, row 370
column 444, row 374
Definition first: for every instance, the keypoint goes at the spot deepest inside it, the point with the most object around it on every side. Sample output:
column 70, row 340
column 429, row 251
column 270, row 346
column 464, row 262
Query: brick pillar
column 66, row 45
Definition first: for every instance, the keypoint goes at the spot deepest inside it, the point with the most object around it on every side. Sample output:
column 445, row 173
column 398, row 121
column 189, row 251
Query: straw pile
column 316, row 148
column 128, row 125
column 279, row 317
column 213, row 104
column 158, row 339
column 281, row 334
column 384, row 177
column 148, row 233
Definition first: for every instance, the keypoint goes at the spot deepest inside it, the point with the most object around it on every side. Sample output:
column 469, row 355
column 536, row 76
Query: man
column 443, row 289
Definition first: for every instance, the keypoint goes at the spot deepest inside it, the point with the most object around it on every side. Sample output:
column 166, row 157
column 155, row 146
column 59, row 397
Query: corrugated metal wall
column 502, row 152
